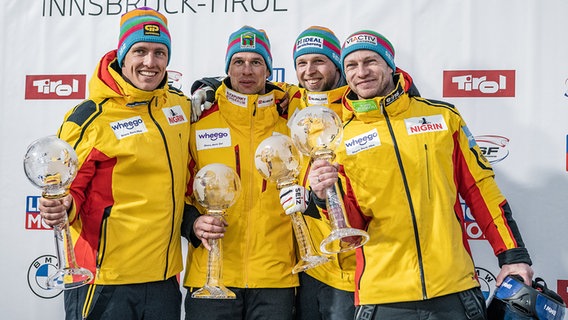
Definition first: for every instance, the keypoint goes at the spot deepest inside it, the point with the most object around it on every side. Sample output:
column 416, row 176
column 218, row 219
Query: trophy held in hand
column 51, row 165
column 316, row 132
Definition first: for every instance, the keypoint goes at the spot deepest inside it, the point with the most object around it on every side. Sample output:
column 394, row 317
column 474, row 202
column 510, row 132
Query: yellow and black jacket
column 405, row 162
column 258, row 246
column 129, row 191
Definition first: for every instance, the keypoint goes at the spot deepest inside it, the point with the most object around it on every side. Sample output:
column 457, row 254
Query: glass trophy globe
column 216, row 187
column 277, row 160
column 317, row 131
column 51, row 165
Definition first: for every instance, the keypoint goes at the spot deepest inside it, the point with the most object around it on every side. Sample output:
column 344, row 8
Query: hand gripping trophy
column 278, row 160
column 216, row 187
column 51, row 165
column 316, row 132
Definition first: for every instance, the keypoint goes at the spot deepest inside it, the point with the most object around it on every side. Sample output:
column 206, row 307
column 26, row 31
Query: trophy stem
column 214, row 288
column 343, row 237
column 69, row 275
column 308, row 257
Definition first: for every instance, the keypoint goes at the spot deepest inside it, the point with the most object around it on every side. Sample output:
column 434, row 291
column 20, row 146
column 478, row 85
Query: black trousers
column 316, row 300
column 466, row 305
column 250, row 304
column 159, row 300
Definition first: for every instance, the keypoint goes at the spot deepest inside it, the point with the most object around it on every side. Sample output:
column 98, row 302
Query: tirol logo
column 472, row 229
column 479, row 83
column 33, row 218
column 54, row 87
column 487, row 282
column 175, row 115
column 493, row 147
column 248, row 40
column 38, row 273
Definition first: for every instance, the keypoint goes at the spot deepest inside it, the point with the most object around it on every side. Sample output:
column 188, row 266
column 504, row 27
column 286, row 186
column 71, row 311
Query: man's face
column 145, row 65
column 248, row 73
column 367, row 74
column 316, row 72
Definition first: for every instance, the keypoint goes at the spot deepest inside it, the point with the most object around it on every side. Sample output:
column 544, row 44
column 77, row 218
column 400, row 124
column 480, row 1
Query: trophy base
column 309, row 262
column 343, row 239
column 69, row 278
column 213, row 292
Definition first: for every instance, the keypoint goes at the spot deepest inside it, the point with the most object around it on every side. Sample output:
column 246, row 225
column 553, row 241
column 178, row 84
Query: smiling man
column 126, row 204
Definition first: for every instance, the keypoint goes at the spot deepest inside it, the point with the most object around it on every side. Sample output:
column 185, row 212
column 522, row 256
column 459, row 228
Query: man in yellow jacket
column 404, row 163
column 126, row 204
column 258, row 244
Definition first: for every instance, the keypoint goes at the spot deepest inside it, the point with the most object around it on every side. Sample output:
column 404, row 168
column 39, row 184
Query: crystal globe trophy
column 316, row 132
column 278, row 160
column 51, row 165
column 216, row 187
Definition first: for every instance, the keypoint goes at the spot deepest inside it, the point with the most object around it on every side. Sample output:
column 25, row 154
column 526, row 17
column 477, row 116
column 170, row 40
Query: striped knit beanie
column 142, row 25
column 369, row 40
column 249, row 39
column 320, row 40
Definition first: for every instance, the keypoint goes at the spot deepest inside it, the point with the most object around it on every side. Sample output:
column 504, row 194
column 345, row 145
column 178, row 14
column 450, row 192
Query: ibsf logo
column 472, row 229
column 487, row 281
column 54, row 87
column 33, row 218
column 493, row 147
column 479, row 83
column 38, row 273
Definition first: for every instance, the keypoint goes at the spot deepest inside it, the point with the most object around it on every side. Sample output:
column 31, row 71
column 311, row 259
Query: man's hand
column 294, row 199
column 208, row 227
column 54, row 211
column 202, row 99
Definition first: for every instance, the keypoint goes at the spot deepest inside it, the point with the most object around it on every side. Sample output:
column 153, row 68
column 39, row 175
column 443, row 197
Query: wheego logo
column 128, row 127
column 53, row 87
column 129, row 124
column 479, row 83
column 362, row 142
column 493, row 147
column 213, row 138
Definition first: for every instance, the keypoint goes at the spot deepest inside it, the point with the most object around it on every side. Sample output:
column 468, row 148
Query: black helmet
column 514, row 300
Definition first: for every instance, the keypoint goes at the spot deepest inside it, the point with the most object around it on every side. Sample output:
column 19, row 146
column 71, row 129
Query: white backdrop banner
column 504, row 64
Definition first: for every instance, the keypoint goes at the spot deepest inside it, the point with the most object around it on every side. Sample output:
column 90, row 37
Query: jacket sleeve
column 476, row 185
column 73, row 131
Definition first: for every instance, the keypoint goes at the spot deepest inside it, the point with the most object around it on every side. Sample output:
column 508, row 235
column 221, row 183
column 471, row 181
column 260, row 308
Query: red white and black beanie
column 369, row 40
